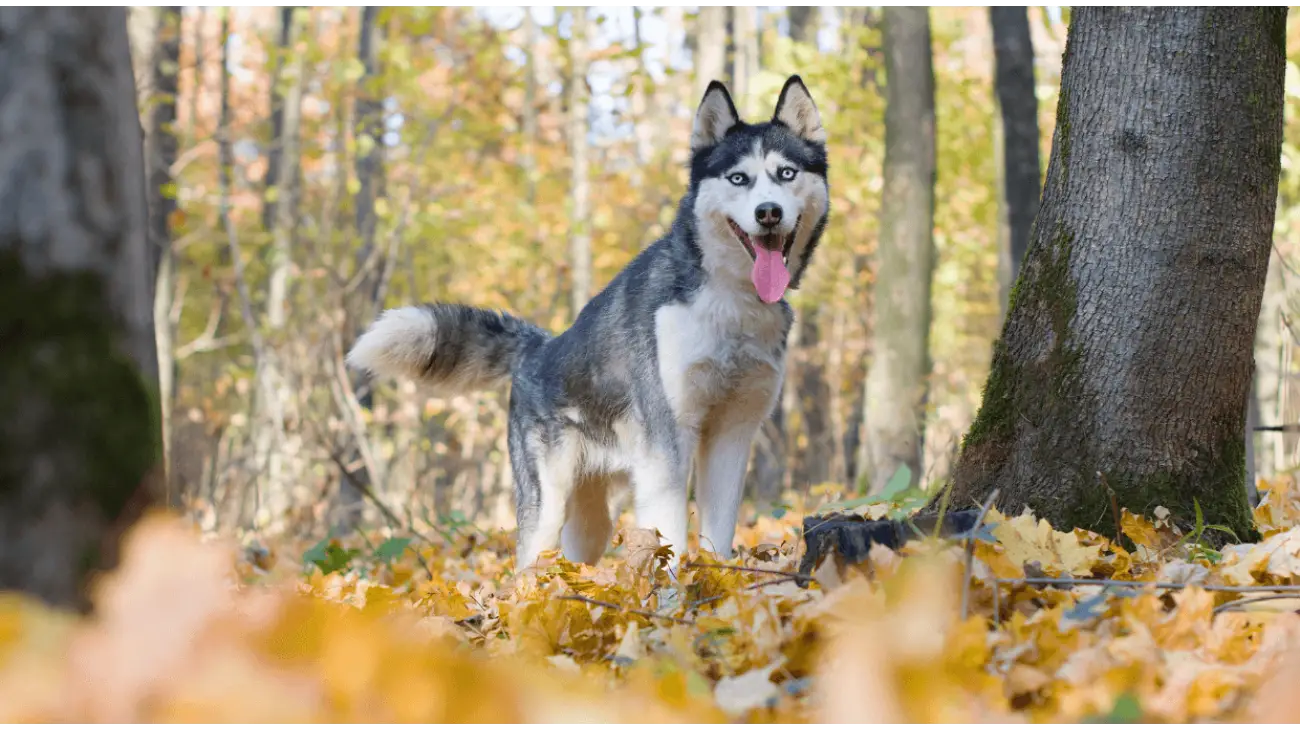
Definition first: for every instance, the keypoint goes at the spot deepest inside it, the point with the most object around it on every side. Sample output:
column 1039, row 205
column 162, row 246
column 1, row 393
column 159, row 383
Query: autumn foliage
column 440, row 629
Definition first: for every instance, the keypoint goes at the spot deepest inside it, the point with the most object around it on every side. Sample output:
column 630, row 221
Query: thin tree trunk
column 1269, row 338
column 670, row 97
column 813, row 396
column 225, row 172
column 286, row 187
column 1013, row 52
column 579, row 185
column 643, row 130
column 744, row 37
column 898, row 379
column 272, row 178
column 79, row 433
column 369, row 133
column 155, row 43
column 711, row 47
column 1124, row 366
column 531, row 41
column 804, row 23
column 275, row 389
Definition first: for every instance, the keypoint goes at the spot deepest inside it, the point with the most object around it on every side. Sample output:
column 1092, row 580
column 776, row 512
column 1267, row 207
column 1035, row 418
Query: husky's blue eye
column 738, row 178
column 786, row 174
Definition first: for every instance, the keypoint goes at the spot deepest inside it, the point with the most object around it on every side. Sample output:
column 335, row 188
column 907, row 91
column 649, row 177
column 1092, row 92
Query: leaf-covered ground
column 438, row 628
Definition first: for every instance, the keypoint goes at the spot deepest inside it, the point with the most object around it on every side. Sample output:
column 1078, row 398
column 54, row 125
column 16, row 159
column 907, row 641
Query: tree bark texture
column 79, row 434
column 1013, row 53
column 897, row 381
column 1125, row 362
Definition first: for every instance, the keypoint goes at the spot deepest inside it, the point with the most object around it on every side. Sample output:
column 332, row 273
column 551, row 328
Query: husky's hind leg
column 588, row 528
column 542, row 496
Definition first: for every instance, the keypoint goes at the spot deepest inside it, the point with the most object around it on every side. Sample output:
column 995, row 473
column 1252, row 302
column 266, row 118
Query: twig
column 774, row 581
column 1114, row 507
column 710, row 599
column 636, row 611
column 1231, row 605
column 970, row 552
column 997, row 604
column 742, row 569
column 353, row 414
column 1146, row 584
column 383, row 508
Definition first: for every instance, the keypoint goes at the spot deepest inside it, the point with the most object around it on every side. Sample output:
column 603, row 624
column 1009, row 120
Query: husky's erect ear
column 714, row 117
column 796, row 110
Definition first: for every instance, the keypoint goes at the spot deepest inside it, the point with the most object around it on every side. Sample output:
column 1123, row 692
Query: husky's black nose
column 768, row 214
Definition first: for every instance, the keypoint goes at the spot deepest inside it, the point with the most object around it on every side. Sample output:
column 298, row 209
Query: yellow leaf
column 1028, row 540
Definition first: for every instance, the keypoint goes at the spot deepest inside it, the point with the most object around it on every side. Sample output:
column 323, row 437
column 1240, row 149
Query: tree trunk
column 274, row 390
column 529, row 157
column 1013, row 53
column 804, row 22
column 79, row 434
column 897, row 382
column 369, row 133
column 642, row 129
column 579, row 188
column 156, row 49
column 1125, row 361
column 286, row 185
column 672, row 99
column 744, row 60
column 272, row 178
column 710, row 47
column 813, row 401
column 225, row 173
column 1270, row 458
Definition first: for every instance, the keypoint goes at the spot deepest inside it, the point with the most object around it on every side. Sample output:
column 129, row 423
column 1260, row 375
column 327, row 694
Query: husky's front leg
column 720, row 481
column 723, row 458
column 659, row 480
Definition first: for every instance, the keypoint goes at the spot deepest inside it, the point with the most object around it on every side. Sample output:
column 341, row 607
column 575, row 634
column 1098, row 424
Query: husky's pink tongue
column 770, row 275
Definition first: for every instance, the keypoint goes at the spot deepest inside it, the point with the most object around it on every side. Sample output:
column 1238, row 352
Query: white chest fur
column 723, row 344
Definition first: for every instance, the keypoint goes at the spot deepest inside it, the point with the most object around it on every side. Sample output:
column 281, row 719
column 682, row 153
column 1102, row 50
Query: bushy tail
column 450, row 347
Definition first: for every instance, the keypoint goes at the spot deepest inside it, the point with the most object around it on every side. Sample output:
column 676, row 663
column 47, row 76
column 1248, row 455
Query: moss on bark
column 1013, row 388
column 1215, row 483
column 81, row 426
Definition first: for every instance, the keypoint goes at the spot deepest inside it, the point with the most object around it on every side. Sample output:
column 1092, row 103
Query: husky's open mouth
column 768, row 241
column 770, row 256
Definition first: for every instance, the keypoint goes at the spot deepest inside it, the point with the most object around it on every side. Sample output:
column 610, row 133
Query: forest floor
column 386, row 626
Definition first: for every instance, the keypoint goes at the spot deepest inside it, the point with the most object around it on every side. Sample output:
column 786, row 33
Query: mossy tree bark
column 79, row 420
column 1125, row 362
column 898, row 379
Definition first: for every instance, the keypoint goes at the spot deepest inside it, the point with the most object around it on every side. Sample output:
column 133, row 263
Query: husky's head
column 760, row 190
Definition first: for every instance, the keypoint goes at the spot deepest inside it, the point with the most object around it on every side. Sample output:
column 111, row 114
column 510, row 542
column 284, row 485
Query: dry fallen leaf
column 200, row 631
